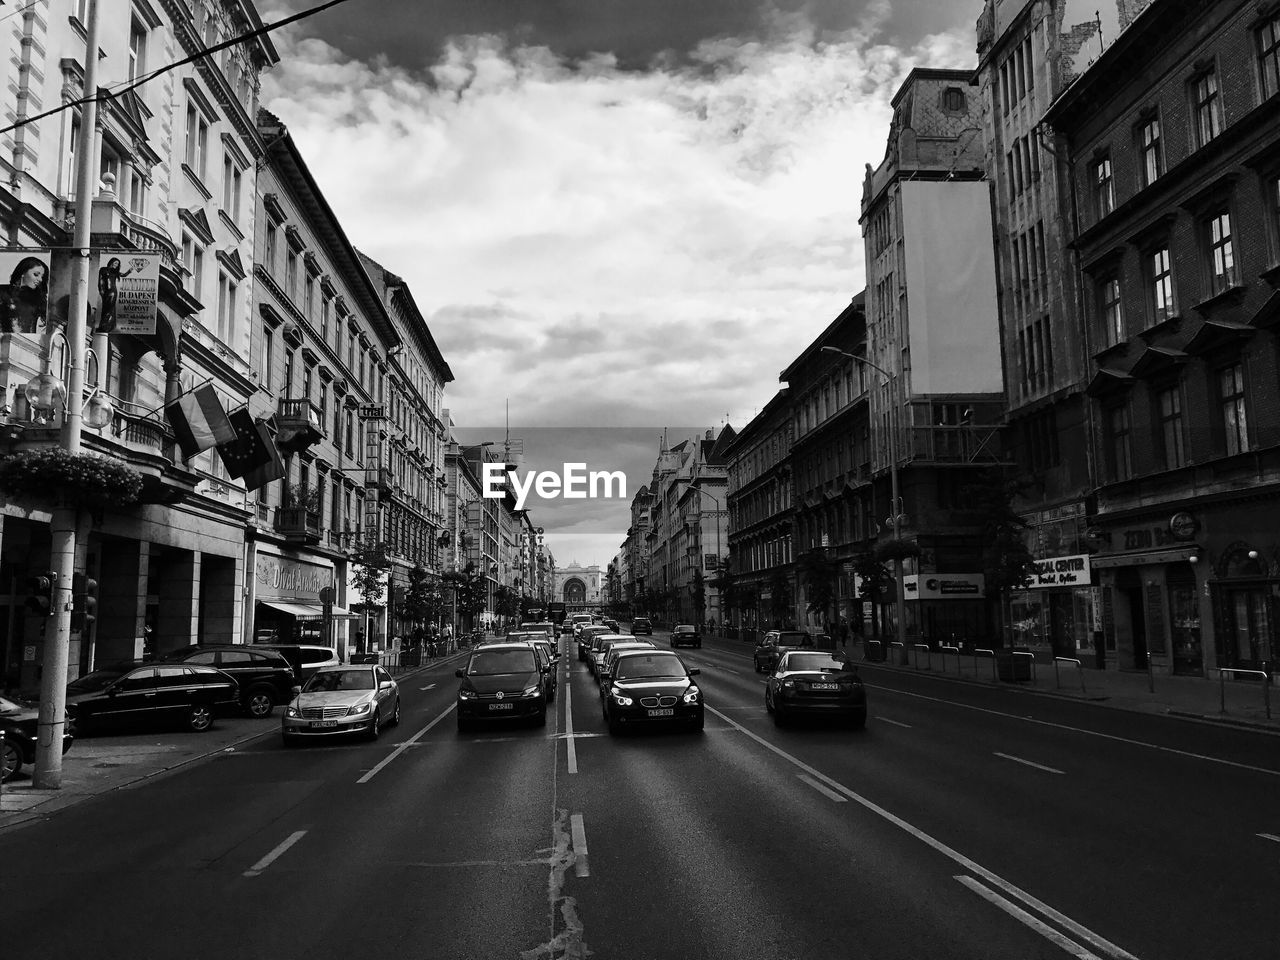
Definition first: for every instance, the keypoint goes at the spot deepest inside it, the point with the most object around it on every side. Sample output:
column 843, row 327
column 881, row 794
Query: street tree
column 369, row 569
column 821, row 573
column 1007, row 563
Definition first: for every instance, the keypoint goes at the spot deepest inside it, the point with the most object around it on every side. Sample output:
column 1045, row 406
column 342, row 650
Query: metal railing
column 915, row 656
column 1057, row 679
column 866, row 650
column 1222, row 686
column 899, row 643
column 995, row 672
column 1022, row 653
column 944, row 650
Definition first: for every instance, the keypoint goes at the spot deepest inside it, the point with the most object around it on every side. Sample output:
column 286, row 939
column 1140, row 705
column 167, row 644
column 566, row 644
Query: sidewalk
column 97, row 765
column 1238, row 703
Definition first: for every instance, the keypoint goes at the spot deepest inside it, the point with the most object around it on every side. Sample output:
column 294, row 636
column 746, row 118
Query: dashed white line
column 427, row 687
column 1038, row 766
column 275, row 854
column 578, row 831
column 1040, row 927
column 406, row 745
column 568, row 729
column 825, row 791
column 1269, row 836
column 896, row 723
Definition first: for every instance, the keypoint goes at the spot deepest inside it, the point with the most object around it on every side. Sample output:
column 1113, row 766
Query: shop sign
column 1073, row 571
column 944, row 586
column 1181, row 528
column 290, row 579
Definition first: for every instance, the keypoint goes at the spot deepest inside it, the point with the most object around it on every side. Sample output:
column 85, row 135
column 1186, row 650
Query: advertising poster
column 24, row 299
column 128, row 288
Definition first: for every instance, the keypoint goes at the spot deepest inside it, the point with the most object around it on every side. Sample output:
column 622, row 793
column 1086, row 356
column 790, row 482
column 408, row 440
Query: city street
column 964, row 822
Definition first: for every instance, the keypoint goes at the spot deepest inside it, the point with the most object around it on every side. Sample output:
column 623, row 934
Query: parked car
column 304, row 659
column 772, row 645
column 652, row 687
column 150, row 694
column 265, row 677
column 18, row 735
column 342, row 700
column 817, row 683
column 501, row 682
column 641, row 625
column 685, row 635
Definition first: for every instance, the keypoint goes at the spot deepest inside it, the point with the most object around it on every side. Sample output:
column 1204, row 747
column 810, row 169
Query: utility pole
column 53, row 678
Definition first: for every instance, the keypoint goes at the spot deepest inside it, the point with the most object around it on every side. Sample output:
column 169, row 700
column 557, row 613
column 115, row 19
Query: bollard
column 995, row 674
column 925, row 647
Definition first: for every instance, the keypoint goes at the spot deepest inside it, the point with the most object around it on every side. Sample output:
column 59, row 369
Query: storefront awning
column 307, row 611
column 1142, row 557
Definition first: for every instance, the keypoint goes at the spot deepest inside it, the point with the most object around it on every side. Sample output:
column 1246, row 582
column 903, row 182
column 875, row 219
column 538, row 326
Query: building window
column 137, row 49
column 309, row 296
column 197, row 141
column 137, row 192
column 324, row 318
column 1160, row 284
column 1118, row 433
column 1112, row 312
column 1269, row 57
column 1152, row 151
column 1234, row 419
column 226, row 307
column 287, row 387
column 350, row 431
column 268, row 349
column 1104, row 192
column 1169, row 411
column 291, row 277
column 953, row 99
column 232, row 180
column 1222, row 262
column 269, row 254
column 324, row 402
column 307, row 380
column 193, row 260
column 1208, row 107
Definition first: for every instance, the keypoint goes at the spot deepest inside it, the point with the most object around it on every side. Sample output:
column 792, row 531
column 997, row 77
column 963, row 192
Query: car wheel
column 395, row 717
column 768, row 701
column 375, row 725
column 260, row 703
column 10, row 760
column 200, row 718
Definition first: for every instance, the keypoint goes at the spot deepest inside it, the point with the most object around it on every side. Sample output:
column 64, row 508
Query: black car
column 774, row 644
column 18, row 723
column 150, row 694
column 501, row 681
column 816, row 683
column 685, row 635
column 265, row 677
column 641, row 625
column 652, row 686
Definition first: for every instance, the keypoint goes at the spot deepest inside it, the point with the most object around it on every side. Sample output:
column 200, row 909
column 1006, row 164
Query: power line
column 207, row 51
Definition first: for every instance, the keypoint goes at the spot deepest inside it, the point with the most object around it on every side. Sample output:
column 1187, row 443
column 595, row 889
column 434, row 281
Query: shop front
column 288, row 604
column 1056, row 613
column 944, row 608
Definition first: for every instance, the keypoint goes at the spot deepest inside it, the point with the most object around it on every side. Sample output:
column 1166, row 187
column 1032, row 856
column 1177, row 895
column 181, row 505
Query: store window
column 1184, row 614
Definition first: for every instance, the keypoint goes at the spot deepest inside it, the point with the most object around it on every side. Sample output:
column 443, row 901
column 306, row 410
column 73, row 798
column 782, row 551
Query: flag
column 253, row 454
column 198, row 421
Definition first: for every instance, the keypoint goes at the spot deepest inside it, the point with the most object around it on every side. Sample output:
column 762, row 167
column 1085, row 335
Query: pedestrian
column 844, row 632
column 448, row 637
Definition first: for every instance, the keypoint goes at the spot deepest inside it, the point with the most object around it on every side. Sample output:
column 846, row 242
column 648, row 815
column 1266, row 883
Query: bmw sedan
column 650, row 687
column 685, row 634
column 360, row 698
column 501, row 682
column 816, row 683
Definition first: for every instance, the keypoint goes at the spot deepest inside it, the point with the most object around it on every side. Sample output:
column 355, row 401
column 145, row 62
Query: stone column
column 176, row 582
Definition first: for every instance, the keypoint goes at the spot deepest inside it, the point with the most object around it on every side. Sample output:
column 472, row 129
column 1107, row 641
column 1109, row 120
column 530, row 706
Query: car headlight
column 620, row 698
column 788, row 684
column 293, row 711
column 532, row 691
column 466, row 694
column 691, row 695
column 358, row 709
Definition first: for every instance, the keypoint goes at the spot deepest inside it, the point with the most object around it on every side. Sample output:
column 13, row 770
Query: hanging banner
column 24, row 297
column 128, row 292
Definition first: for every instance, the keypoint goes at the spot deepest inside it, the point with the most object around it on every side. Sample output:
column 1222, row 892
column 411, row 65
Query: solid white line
column 825, row 791
column 427, row 687
column 568, row 729
column 896, row 723
column 1038, row 766
column 1018, row 913
column 271, row 857
column 1269, row 836
column 1092, row 733
column 1061, row 919
column 406, row 745
column 579, row 833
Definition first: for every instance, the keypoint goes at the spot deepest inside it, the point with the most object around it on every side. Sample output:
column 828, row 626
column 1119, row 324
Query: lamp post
column 900, row 606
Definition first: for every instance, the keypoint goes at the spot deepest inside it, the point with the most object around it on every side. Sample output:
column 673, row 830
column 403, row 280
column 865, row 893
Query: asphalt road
column 964, row 822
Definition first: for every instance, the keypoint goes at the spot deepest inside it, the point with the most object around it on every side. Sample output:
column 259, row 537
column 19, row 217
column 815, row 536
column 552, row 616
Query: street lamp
column 900, row 607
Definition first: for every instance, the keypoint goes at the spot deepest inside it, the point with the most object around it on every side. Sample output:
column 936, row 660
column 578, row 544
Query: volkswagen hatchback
column 501, row 682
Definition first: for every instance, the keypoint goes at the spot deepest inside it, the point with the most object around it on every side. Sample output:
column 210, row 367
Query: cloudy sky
column 613, row 213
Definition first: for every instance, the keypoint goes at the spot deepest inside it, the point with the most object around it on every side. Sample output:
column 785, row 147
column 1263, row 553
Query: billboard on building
column 24, row 298
column 127, row 292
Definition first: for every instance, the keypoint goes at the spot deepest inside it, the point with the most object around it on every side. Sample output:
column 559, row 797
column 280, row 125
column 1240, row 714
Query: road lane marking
column 1092, row 733
column 579, row 833
column 1043, row 908
column 275, row 854
column 569, row 738
column 1046, row 931
column 427, row 687
column 825, row 791
column 896, row 723
column 1269, row 836
column 1038, row 766
column 406, row 745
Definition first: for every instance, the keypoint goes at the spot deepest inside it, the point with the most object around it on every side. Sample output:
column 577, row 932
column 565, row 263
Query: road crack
column 568, row 943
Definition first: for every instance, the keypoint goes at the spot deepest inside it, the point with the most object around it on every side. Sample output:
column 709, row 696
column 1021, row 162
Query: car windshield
column 93, row 682
column 492, row 662
column 330, row 680
column 640, row 666
column 685, row 628
column 815, row 661
column 640, row 621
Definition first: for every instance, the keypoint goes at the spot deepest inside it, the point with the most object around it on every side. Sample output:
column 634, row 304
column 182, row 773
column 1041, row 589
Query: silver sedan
column 342, row 700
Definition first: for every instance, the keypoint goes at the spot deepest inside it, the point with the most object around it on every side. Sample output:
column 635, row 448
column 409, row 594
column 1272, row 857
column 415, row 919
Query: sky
column 612, row 214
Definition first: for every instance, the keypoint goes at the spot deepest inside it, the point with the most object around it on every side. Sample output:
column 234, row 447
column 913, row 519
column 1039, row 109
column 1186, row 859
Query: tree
column 369, row 569
column 727, row 588
column 876, row 582
column 506, row 601
column 468, row 590
column 821, row 573
column 699, row 591
column 423, row 600
column 1007, row 564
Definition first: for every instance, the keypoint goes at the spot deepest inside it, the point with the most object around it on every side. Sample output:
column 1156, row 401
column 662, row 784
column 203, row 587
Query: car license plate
column 501, row 706
column 663, row 712
column 315, row 724
column 824, row 686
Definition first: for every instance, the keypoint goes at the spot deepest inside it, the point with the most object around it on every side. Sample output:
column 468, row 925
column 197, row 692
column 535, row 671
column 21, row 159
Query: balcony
column 299, row 422
column 955, row 444
column 298, row 524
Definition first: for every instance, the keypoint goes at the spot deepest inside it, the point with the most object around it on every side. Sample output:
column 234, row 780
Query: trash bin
column 1012, row 669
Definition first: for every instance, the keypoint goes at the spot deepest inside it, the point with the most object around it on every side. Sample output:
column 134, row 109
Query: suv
column 641, row 625
column 304, row 659
column 263, row 677
column 686, row 634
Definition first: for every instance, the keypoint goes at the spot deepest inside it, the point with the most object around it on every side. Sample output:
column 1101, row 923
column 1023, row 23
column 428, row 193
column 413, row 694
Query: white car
column 342, row 700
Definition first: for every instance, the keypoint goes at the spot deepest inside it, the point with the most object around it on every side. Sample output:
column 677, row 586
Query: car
column 818, row 683
column 548, row 628
column 265, row 677
column 150, row 694
column 593, row 647
column 342, row 700
column 615, row 649
column 501, row 682
column 641, row 625
column 771, row 646
column 578, row 621
column 522, row 636
column 585, row 636
column 547, row 660
column 612, row 625
column 652, row 686
column 600, row 649
column 684, row 634
column 305, row 659
column 18, row 724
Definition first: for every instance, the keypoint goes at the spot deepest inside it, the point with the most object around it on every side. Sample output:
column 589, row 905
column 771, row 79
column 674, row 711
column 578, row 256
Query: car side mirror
column 386, row 685
column 112, row 690
column 295, row 689
column 694, row 672
column 459, row 673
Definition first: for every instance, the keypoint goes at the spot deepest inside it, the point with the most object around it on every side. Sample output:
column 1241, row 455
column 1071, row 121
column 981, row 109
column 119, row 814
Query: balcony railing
column 299, row 523
column 955, row 444
column 300, row 424
column 138, row 432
